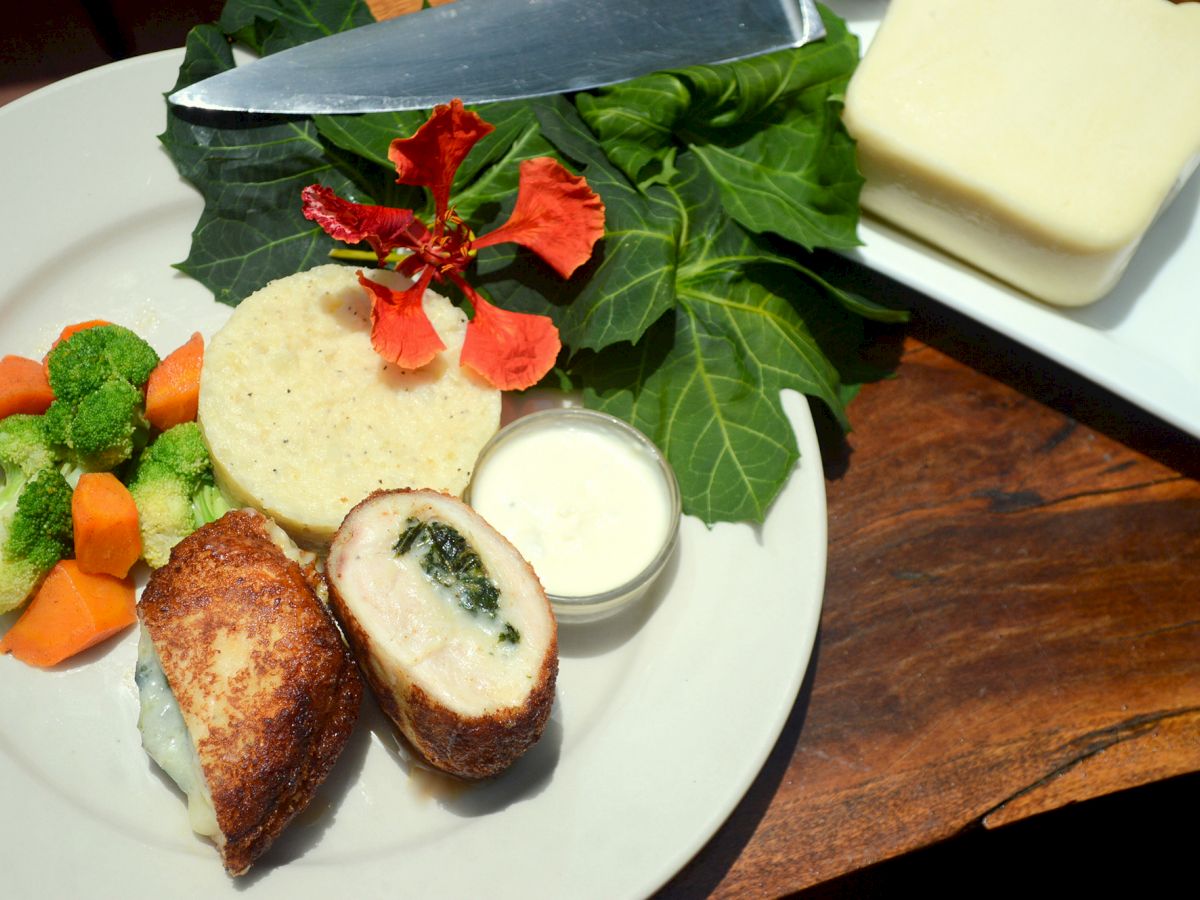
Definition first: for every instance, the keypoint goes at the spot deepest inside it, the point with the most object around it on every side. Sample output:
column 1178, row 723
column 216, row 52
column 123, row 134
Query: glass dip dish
column 587, row 499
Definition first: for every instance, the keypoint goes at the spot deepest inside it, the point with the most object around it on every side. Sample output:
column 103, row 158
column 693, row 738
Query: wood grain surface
column 1010, row 620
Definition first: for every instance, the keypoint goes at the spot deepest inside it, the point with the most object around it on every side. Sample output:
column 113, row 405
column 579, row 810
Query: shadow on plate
column 527, row 777
column 1164, row 239
column 586, row 639
column 1008, row 361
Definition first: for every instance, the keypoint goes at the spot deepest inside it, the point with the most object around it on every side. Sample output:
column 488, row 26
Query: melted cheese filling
column 166, row 738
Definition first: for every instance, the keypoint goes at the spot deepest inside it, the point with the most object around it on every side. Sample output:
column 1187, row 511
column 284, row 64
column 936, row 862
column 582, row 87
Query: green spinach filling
column 449, row 560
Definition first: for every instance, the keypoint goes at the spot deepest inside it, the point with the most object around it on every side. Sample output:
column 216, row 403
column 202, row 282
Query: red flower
column 556, row 215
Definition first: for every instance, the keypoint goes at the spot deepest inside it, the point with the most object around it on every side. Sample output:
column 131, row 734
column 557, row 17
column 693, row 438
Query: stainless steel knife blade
column 486, row 50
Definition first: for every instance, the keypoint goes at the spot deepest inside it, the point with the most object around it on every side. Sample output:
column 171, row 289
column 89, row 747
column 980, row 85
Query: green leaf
column 701, row 303
column 636, row 122
column 250, row 173
column 706, row 383
column 796, row 178
column 268, row 26
column 768, row 129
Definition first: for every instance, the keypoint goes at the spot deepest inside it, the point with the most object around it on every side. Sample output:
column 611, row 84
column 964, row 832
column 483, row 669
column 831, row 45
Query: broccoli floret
column 174, row 490
column 35, row 531
column 26, row 455
column 181, row 451
column 98, row 414
column 87, row 359
column 102, row 430
column 209, row 504
column 25, row 449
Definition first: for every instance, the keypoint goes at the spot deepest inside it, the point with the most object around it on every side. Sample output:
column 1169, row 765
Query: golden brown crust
column 470, row 747
column 266, row 685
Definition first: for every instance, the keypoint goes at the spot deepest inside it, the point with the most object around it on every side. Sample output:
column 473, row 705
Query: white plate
column 1141, row 341
column 664, row 716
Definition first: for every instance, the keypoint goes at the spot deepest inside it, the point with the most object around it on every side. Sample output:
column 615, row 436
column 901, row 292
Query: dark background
column 45, row 40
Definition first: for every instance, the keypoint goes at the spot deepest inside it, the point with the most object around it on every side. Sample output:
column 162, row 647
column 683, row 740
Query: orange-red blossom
column 556, row 215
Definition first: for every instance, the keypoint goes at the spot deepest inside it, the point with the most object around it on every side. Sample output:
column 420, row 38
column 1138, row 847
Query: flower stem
column 368, row 255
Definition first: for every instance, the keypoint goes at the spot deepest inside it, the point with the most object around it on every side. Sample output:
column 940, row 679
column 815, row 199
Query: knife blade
column 487, row 50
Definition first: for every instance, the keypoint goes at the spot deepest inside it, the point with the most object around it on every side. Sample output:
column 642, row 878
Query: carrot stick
column 71, row 611
column 173, row 391
column 24, row 387
column 107, row 539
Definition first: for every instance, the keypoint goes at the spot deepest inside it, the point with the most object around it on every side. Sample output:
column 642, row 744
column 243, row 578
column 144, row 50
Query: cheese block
column 304, row 419
column 1035, row 140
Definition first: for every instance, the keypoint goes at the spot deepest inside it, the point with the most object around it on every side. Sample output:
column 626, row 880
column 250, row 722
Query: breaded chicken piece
column 267, row 688
column 450, row 625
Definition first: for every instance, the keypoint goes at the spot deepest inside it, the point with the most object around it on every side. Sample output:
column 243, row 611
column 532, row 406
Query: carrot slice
column 24, row 387
column 107, row 539
column 71, row 611
column 173, row 391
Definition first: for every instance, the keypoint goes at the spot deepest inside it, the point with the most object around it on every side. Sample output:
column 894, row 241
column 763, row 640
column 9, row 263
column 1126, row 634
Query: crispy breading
column 266, row 685
column 463, row 720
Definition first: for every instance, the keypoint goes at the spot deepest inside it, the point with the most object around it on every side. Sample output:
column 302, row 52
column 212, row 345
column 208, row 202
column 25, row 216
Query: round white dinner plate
column 664, row 715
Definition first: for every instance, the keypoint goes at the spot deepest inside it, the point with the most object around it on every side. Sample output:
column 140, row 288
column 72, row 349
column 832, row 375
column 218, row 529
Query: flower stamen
column 556, row 215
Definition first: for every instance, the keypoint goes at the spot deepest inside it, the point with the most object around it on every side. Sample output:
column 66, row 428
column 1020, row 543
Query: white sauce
column 586, row 505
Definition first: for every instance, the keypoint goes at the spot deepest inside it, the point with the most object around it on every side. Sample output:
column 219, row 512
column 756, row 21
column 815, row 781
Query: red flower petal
column 382, row 227
column 511, row 350
column 431, row 156
column 400, row 331
column 557, row 216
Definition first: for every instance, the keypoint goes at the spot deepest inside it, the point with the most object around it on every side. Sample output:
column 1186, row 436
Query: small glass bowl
column 591, row 607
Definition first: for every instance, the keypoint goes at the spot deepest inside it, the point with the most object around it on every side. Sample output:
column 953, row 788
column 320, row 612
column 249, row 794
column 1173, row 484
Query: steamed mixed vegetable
column 101, row 465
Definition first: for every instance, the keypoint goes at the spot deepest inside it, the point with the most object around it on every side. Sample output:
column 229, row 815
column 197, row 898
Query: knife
column 487, row 50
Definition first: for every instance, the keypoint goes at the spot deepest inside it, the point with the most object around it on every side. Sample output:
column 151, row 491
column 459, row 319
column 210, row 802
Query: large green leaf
column 768, row 129
column 250, row 173
column 701, row 302
column 706, row 382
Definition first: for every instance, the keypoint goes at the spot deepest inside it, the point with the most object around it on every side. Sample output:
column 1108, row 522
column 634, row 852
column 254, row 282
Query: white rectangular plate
column 1141, row 341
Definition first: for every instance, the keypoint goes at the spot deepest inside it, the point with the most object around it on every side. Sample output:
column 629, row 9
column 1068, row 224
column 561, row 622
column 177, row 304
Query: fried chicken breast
column 450, row 626
column 262, row 681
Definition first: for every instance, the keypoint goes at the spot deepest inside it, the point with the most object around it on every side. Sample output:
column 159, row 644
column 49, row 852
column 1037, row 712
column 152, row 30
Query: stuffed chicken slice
column 450, row 626
column 248, row 692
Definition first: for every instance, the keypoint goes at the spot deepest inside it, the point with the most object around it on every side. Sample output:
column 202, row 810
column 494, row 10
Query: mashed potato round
column 304, row 419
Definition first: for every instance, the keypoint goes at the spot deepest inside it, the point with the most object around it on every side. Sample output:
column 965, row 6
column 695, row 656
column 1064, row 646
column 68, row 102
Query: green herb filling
column 447, row 559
